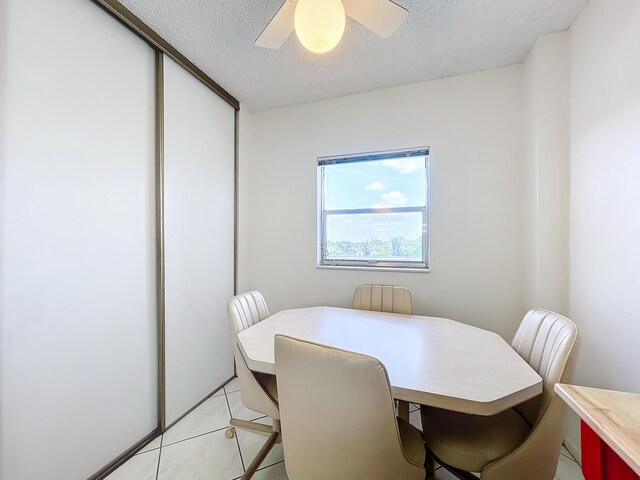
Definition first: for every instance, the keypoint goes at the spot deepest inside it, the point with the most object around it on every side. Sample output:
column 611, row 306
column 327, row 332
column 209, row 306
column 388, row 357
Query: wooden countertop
column 614, row 416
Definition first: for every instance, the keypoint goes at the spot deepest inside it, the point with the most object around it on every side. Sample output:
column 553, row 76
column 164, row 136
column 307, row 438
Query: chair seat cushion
column 412, row 442
column 469, row 442
column 268, row 382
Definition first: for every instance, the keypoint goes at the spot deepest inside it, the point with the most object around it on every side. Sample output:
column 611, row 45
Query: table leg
column 403, row 410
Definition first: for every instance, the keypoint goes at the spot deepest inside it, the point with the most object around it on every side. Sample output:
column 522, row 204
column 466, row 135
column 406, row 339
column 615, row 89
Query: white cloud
column 395, row 198
column 375, row 186
column 405, row 165
column 391, row 199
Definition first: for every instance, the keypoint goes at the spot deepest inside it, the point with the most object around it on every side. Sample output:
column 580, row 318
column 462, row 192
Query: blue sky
column 395, row 183
column 381, row 183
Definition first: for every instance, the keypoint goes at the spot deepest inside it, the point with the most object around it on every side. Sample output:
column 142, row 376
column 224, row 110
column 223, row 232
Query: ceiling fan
column 319, row 24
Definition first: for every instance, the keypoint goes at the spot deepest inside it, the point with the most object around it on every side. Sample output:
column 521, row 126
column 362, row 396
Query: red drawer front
column 599, row 462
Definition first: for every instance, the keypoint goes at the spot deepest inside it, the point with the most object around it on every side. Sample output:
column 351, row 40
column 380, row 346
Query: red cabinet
column 599, row 461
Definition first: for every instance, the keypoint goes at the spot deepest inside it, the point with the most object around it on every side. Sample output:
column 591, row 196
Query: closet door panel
column 199, row 239
column 79, row 320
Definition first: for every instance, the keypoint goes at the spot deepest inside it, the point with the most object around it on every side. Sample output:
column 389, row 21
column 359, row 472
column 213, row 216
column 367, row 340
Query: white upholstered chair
column 257, row 390
column 390, row 299
column 520, row 443
column 338, row 418
column 383, row 298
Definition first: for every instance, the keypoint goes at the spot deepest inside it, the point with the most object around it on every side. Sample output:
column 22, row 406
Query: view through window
column 374, row 210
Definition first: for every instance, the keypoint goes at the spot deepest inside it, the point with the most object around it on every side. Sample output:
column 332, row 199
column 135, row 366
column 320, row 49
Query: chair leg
column 277, row 428
column 254, row 427
column 461, row 474
column 262, row 454
column 430, row 467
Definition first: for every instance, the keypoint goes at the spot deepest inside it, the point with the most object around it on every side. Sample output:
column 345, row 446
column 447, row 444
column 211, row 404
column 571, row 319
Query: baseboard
column 571, row 438
column 574, row 449
column 123, row 457
column 198, row 404
column 130, row 452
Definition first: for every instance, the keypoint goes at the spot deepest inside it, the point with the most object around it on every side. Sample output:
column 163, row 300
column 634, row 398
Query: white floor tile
column 232, row 386
column 219, row 392
column 208, row 457
column 276, row 472
column 414, row 418
column 238, row 410
column 189, row 452
column 152, row 445
column 251, row 443
column 213, row 414
column 141, row 467
column 568, row 470
column 444, row 474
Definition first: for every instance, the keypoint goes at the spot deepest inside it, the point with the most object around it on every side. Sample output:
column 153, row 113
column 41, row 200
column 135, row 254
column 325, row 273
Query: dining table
column 430, row 360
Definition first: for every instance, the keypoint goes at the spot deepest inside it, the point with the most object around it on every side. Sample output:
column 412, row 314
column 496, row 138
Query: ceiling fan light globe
column 319, row 24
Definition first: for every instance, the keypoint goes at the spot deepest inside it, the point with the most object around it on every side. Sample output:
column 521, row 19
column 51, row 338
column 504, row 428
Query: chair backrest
column 337, row 414
column 545, row 340
column 247, row 309
column 383, row 298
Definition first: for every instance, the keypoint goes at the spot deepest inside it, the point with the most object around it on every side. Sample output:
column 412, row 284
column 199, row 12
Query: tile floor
column 196, row 448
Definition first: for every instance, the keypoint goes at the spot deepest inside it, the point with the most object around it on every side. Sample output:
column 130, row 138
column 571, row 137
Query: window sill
column 373, row 268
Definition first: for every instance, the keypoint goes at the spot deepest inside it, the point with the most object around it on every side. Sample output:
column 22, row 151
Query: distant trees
column 376, row 248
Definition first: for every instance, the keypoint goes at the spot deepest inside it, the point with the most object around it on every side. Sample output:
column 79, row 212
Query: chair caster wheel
column 230, row 432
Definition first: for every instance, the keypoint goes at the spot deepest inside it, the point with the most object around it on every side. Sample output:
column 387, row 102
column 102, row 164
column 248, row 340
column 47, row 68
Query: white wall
column 77, row 186
column 473, row 124
column 244, row 240
column 605, row 193
column 546, row 126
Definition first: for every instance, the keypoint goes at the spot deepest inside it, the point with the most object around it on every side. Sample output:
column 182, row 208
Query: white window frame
column 398, row 265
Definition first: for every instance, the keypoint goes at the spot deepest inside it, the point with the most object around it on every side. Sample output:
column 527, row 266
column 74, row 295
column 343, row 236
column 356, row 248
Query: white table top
column 431, row 361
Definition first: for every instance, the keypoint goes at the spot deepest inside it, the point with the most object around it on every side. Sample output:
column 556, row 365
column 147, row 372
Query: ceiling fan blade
column 279, row 28
column 382, row 17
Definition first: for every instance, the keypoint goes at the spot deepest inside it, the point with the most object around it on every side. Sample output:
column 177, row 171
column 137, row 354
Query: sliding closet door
column 199, row 239
column 79, row 356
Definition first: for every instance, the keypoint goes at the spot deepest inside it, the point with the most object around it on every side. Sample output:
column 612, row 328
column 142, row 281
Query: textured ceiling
column 440, row 38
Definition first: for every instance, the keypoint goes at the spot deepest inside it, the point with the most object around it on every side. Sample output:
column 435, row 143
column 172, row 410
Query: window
column 374, row 210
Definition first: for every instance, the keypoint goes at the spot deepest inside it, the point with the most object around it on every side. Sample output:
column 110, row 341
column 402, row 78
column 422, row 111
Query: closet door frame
column 124, row 16
column 161, row 48
column 160, row 279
